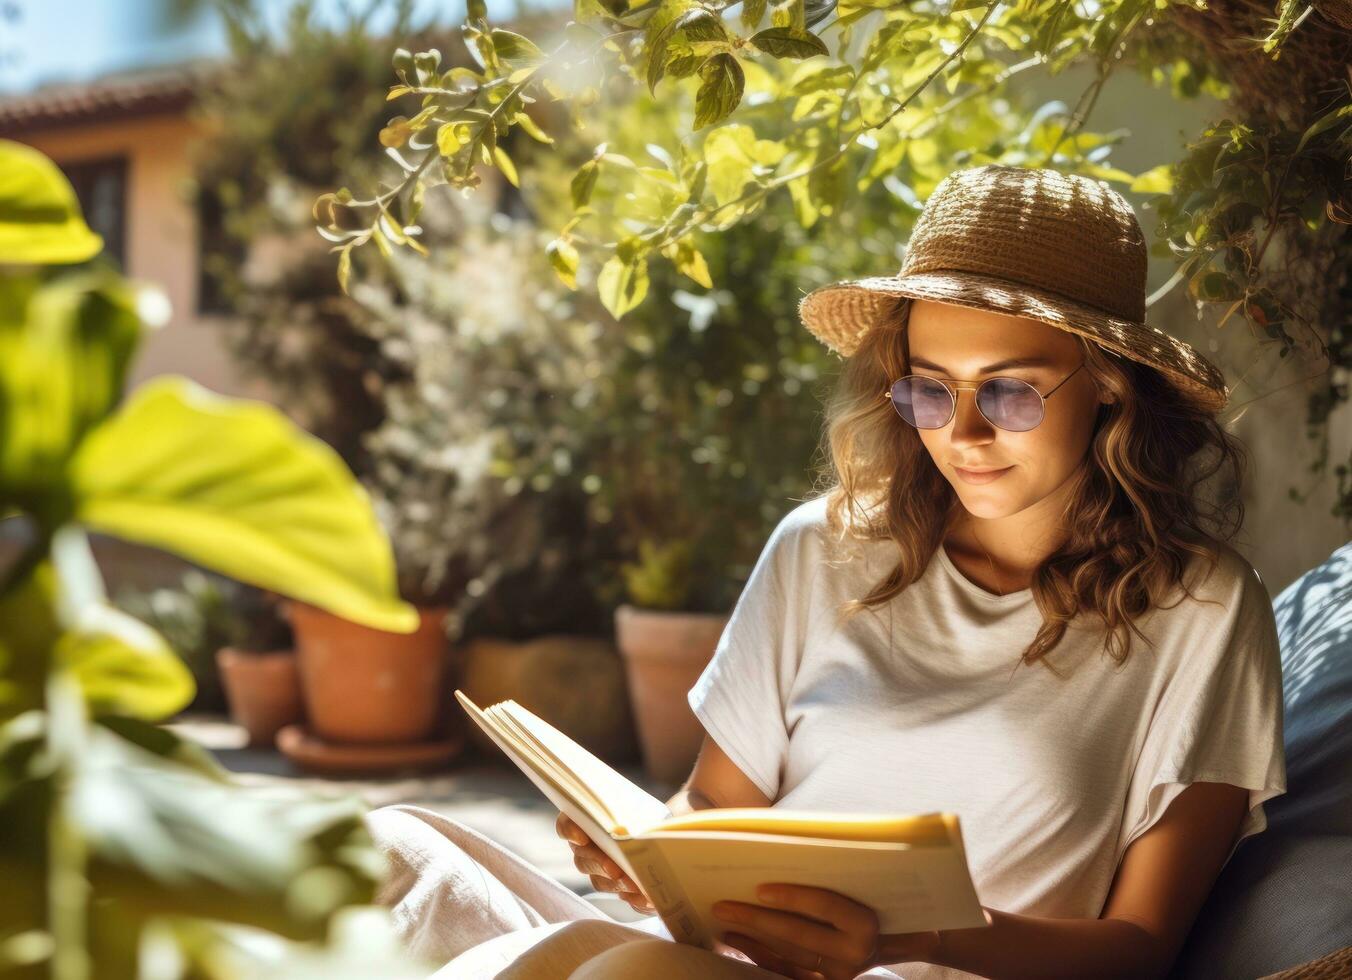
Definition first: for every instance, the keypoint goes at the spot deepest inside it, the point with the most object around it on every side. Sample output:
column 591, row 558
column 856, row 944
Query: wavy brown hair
column 1135, row 517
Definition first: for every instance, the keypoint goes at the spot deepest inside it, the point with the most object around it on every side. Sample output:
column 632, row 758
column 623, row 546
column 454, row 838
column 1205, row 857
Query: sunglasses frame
column 953, row 385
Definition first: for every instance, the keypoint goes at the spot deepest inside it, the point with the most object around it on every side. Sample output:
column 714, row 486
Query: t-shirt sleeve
column 1220, row 717
column 740, row 696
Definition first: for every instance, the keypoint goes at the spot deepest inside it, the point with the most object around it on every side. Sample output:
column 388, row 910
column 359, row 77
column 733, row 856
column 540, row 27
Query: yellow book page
column 919, row 829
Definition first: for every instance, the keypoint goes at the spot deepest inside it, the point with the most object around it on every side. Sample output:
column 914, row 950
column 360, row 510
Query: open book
column 910, row 869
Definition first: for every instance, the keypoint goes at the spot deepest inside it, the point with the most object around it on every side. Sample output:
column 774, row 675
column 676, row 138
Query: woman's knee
column 419, row 850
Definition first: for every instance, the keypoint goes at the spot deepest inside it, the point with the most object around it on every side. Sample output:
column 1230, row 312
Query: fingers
column 771, row 924
column 591, row 860
column 638, row 903
column 605, row 873
column 566, row 828
column 819, row 903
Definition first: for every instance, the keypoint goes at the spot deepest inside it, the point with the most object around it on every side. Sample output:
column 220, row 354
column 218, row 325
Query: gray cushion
column 1286, row 896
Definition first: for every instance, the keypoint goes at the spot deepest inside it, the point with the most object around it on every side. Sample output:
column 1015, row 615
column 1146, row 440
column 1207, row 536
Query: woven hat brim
column 841, row 313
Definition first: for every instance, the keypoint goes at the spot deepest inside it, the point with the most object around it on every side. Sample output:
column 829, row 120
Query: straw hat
column 1059, row 248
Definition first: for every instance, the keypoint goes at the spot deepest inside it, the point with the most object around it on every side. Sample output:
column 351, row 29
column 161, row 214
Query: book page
column 911, row 888
column 538, row 772
column 634, row 809
column 561, row 774
column 916, row 829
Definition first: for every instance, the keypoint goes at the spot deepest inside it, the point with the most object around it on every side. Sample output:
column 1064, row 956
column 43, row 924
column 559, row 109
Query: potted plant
column 194, row 616
column 235, row 643
column 423, row 380
column 258, row 667
column 665, row 650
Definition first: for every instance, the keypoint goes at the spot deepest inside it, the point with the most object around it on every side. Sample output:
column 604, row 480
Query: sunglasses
column 1007, row 403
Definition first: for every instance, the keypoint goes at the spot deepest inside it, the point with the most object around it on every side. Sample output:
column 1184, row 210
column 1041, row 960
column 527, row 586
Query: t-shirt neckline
column 976, row 590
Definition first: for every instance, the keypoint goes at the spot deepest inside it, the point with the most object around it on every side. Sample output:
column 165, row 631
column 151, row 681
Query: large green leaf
column 64, row 349
column 56, row 616
column 29, row 629
column 40, row 221
column 235, row 486
column 164, row 839
column 122, row 665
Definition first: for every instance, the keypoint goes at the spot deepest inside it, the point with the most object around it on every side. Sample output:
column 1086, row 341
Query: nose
column 969, row 427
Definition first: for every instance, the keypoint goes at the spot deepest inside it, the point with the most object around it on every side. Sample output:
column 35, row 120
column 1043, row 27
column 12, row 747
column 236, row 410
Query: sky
column 74, row 40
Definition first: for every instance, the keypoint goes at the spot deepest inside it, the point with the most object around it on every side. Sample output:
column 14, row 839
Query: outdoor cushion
column 1285, row 898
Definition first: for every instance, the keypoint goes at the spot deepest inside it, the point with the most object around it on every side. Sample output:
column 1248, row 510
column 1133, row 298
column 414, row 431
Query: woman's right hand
column 605, row 874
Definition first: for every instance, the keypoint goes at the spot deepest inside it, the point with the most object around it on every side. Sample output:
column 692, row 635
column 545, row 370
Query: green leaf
column 784, row 42
column 690, row 262
column 532, row 128
column 790, row 14
column 124, row 667
column 505, row 164
column 344, row 267
column 1156, row 180
column 396, row 132
column 658, row 32
column 752, row 13
column 121, row 665
column 563, row 257
column 623, row 285
column 164, row 839
column 29, row 630
column 732, row 154
column 721, row 90
column 583, row 182
column 801, row 188
column 515, row 49
column 235, row 486
column 1324, row 123
column 40, row 220
column 64, row 350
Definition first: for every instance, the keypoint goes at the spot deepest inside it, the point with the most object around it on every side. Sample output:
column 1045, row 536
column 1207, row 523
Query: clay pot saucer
column 308, row 751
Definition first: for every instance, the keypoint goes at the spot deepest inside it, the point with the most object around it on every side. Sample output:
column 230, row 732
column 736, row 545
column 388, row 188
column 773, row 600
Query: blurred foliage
column 202, row 614
column 375, row 380
column 873, row 90
column 117, row 838
column 286, row 115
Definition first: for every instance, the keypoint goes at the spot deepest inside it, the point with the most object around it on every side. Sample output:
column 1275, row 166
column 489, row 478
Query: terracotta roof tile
column 110, row 97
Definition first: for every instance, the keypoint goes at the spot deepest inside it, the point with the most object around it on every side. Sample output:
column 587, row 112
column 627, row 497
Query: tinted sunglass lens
column 1010, row 404
column 923, row 402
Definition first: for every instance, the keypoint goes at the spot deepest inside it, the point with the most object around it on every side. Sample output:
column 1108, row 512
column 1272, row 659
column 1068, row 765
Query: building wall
column 161, row 240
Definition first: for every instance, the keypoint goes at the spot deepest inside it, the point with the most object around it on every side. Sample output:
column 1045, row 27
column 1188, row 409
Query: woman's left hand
column 808, row 932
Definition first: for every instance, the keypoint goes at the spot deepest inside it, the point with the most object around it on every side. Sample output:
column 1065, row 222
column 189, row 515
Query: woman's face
column 949, row 341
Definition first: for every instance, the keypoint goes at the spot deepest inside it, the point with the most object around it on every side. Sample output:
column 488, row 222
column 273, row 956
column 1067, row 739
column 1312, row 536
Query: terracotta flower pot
column 367, row 685
column 262, row 691
column 576, row 683
column 665, row 652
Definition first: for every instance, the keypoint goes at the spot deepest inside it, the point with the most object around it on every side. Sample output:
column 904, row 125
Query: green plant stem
column 761, row 190
column 1105, row 69
column 68, row 890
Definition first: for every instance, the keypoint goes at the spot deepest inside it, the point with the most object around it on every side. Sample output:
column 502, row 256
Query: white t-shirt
column 916, row 706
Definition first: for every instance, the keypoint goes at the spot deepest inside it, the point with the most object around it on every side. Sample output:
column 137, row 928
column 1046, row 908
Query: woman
column 1004, row 605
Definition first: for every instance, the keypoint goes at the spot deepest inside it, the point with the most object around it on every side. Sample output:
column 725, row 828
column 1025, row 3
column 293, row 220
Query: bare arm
column 1165, row 876
column 715, row 782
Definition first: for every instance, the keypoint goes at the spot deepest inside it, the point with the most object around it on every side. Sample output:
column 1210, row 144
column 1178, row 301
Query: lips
column 968, row 469
column 981, row 476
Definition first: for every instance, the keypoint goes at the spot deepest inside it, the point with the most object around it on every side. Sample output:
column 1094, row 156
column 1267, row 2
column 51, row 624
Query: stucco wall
column 161, row 240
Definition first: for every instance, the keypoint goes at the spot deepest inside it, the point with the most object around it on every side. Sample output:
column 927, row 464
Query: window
column 216, row 252
column 101, row 186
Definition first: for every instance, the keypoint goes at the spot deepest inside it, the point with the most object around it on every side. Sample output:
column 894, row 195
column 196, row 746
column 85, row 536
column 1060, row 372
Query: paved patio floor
column 487, row 794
